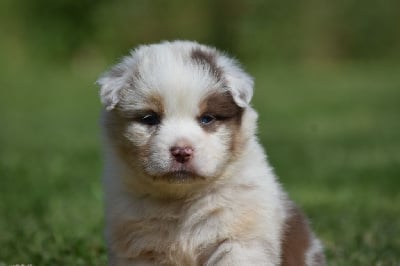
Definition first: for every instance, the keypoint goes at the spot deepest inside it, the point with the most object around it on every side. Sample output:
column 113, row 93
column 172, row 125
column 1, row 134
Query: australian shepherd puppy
column 186, row 180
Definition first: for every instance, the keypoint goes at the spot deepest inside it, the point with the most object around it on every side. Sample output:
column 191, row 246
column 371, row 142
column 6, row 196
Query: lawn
column 332, row 134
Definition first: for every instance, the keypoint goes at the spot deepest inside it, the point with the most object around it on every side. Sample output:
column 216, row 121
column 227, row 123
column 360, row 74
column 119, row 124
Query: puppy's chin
column 180, row 177
column 180, row 174
column 176, row 184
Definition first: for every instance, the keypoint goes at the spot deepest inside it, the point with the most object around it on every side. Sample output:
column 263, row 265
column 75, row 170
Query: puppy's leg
column 232, row 253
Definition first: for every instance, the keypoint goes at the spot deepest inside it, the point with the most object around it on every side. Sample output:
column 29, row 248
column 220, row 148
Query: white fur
column 239, row 207
column 315, row 248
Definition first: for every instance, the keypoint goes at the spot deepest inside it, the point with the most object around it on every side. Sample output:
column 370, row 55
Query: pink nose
column 182, row 154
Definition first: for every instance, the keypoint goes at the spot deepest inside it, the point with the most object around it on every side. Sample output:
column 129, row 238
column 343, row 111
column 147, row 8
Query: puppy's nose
column 182, row 154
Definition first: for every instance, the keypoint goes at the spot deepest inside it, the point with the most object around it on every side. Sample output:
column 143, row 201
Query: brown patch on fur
column 296, row 239
column 215, row 212
column 116, row 124
column 119, row 119
column 207, row 59
column 152, row 102
column 223, row 107
column 155, row 103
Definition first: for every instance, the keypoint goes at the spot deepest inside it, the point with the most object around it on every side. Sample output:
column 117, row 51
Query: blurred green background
column 327, row 88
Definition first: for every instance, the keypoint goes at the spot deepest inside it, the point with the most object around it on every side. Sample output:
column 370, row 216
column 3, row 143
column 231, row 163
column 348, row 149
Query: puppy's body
column 186, row 181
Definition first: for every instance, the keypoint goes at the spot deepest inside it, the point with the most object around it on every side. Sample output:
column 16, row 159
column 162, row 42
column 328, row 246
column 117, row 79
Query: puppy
column 186, row 181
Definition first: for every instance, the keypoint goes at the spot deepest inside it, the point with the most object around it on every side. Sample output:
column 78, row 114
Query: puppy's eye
column 150, row 119
column 206, row 119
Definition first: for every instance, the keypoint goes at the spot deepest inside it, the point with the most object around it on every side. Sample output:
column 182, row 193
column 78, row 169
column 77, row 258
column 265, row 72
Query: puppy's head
column 177, row 112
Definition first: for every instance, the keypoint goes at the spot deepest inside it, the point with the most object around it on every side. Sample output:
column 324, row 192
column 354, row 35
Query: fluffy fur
column 186, row 181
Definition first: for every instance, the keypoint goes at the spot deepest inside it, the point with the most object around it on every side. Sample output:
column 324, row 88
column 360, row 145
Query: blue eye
column 150, row 119
column 206, row 119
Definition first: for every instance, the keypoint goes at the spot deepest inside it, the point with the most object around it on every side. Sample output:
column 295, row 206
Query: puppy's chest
column 167, row 241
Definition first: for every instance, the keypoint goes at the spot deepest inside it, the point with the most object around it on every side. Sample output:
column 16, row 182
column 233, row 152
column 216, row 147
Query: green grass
column 332, row 134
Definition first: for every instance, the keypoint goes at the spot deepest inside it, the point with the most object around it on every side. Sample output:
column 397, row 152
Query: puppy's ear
column 240, row 84
column 113, row 81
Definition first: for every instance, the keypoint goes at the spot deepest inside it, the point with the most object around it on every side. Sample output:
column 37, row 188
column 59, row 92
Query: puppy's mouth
column 181, row 176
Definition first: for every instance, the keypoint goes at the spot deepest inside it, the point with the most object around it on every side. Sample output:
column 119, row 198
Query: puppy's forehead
column 179, row 78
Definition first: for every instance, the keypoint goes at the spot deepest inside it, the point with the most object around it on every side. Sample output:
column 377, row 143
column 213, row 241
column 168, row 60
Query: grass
column 333, row 136
column 332, row 133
